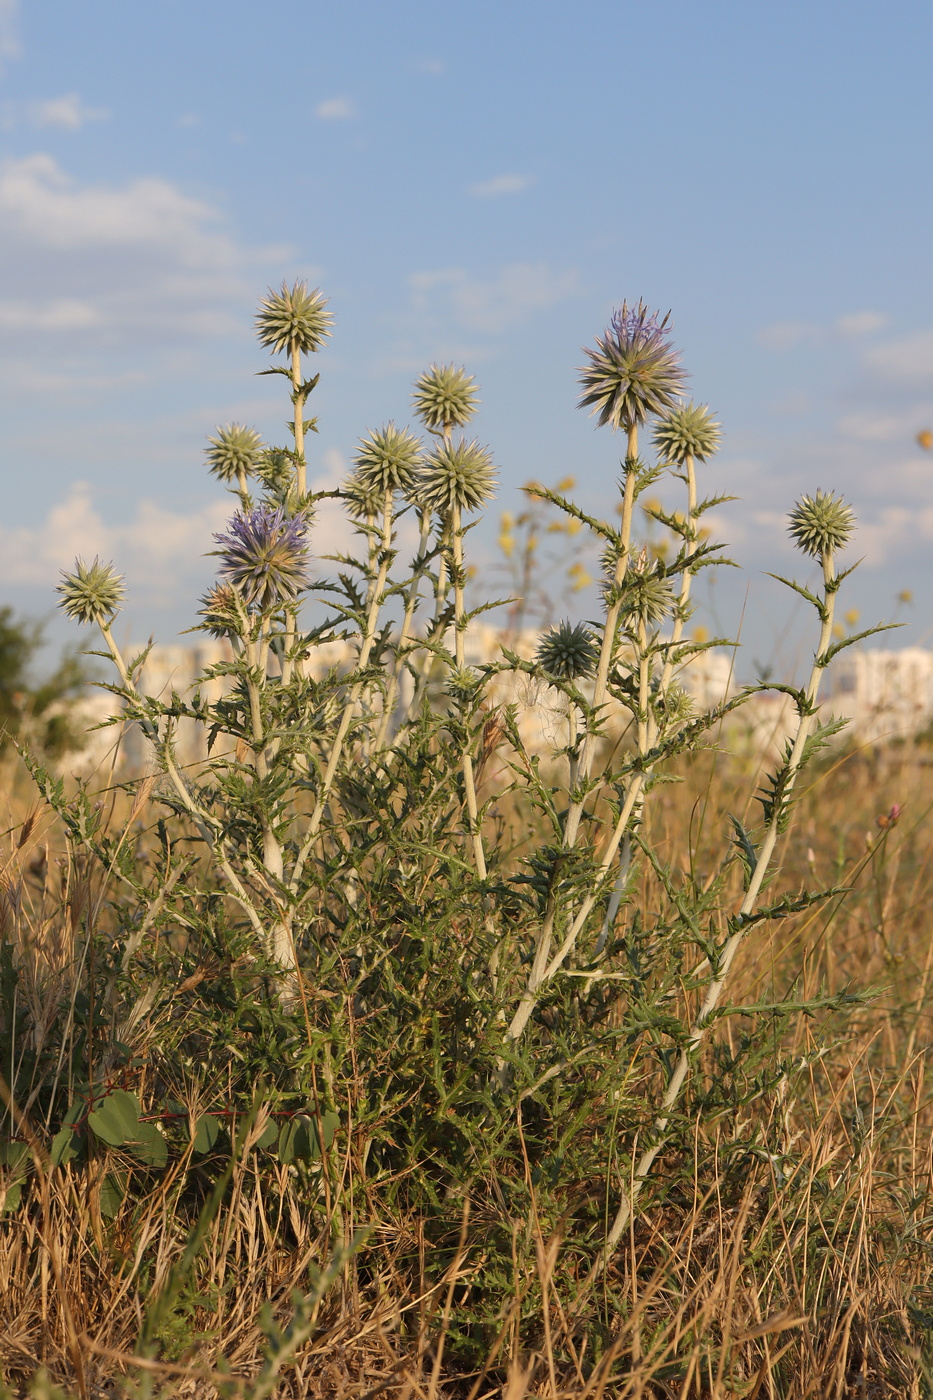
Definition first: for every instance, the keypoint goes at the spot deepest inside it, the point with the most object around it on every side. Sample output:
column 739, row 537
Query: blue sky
column 482, row 182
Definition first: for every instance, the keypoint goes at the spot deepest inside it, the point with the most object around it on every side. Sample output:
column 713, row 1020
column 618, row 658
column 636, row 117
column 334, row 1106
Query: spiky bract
column 821, row 524
column 445, row 397
column 219, row 611
column 456, row 474
column 235, row 449
column 93, row 593
column 293, row 319
column 689, row 430
column 568, row 651
column 646, row 594
column 634, row 371
column 264, row 555
column 275, row 468
column 387, row 460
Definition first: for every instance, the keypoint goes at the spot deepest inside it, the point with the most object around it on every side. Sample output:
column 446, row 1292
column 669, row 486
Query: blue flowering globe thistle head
column 634, row 372
column 264, row 554
column 821, row 524
column 293, row 319
column 568, row 652
column 387, row 460
column 93, row 593
column 235, row 449
column 456, row 474
column 445, row 397
column 689, row 430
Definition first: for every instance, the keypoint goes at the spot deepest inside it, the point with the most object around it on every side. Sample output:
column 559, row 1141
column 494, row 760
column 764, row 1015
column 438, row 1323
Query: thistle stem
column 700, row 1028
column 466, row 759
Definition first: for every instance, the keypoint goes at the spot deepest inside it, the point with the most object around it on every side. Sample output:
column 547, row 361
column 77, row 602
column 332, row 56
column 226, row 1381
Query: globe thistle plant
column 93, row 593
column 293, row 319
column 233, row 453
column 387, row 460
column 821, row 524
column 634, row 371
column 687, row 431
column 459, row 474
column 445, row 398
column 264, row 555
column 568, row 652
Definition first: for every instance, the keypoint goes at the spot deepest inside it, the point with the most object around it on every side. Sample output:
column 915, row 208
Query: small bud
column 387, row 460
column 687, row 431
column 92, row 593
column 460, row 473
column 235, row 449
column 445, row 397
column 821, row 524
column 567, row 652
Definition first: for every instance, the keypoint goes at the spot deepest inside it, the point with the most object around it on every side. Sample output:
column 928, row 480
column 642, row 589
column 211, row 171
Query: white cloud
column 516, row 293
column 67, row 112
column 158, row 550
column 502, row 184
column 788, row 335
column 335, row 109
column 9, row 40
column 861, row 323
column 63, row 314
column 907, row 359
column 117, row 261
column 881, row 426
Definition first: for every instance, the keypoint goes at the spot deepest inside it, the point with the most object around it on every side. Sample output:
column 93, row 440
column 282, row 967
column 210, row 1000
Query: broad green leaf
column 206, row 1132
column 66, row 1144
column 116, row 1122
column 150, row 1146
column 12, row 1197
column 268, row 1135
column 112, row 1191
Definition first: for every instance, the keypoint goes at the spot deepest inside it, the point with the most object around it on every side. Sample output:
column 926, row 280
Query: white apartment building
column 885, row 694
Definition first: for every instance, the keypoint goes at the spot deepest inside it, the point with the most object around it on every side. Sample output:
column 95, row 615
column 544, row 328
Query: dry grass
column 803, row 1272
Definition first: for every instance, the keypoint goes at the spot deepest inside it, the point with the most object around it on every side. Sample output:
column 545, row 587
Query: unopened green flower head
column 821, row 524
column 445, row 397
column 634, row 371
column 93, row 593
column 219, row 610
column 235, row 449
column 293, row 319
column 456, row 474
column 388, row 460
column 275, row 468
column 568, row 651
column 647, row 595
column 364, row 501
column 689, row 430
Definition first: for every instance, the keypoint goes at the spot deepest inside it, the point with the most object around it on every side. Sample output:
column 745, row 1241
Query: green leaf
column 206, row 1133
column 66, row 1144
column 116, row 1122
column 150, row 1146
column 112, row 1191
column 269, row 1134
column 12, row 1197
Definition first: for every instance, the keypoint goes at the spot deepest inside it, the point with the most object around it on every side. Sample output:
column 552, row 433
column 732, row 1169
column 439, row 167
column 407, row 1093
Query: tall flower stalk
column 820, row 527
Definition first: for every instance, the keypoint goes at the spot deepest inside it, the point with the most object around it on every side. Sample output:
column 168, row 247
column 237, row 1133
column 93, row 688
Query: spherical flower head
column 456, row 474
column 93, row 593
column 821, row 524
column 235, row 449
column 275, row 468
column 219, row 610
column 264, row 555
column 445, row 397
column 687, row 431
column 646, row 595
column 634, row 371
column 293, row 319
column 387, row 460
column 568, row 652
